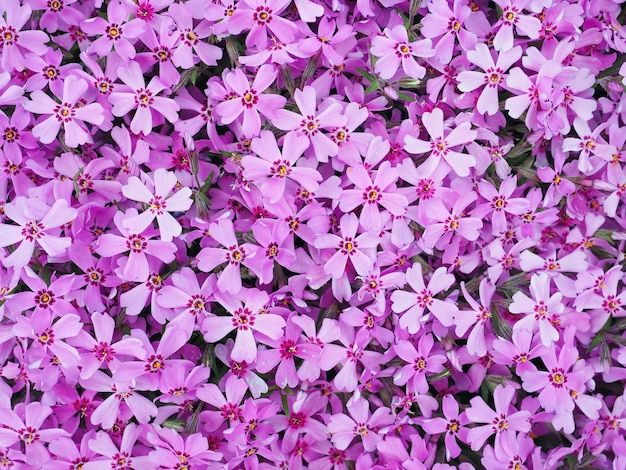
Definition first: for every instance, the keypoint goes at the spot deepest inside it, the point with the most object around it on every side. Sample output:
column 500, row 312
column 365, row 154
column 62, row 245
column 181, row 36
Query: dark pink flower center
column 136, row 243
column 189, row 37
column 348, row 246
column 243, row 319
column 144, row 98
column 104, row 352
column 288, row 349
column 262, row 15
column 403, row 49
column 494, row 76
column 296, row 420
column 157, row 205
column 250, row 98
column 155, row 363
column 8, row 36
column 557, row 377
column 113, row 32
column 28, row 435
column 280, row 169
column 235, row 255
column 64, row 112
column 372, row 195
column 44, row 298
column 46, row 337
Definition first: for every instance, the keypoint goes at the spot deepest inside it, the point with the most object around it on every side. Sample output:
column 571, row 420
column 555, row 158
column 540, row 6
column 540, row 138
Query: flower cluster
column 370, row 234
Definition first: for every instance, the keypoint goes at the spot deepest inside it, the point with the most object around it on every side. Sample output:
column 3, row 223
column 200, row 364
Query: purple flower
column 394, row 49
column 492, row 77
column 68, row 113
column 420, row 361
column 26, row 428
column 453, row 425
column 14, row 43
column 440, row 145
column 504, row 422
column 250, row 100
column 414, row 304
column 143, row 98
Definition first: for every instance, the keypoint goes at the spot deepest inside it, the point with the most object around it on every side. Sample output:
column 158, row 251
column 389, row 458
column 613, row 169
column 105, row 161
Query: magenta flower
column 311, row 121
column 160, row 204
column 233, row 254
column 26, row 428
column 512, row 17
column 348, row 246
column 143, row 98
column 15, row 43
column 138, row 246
column 274, row 168
column 277, row 246
column 262, row 17
column 360, row 424
column 247, row 317
column 69, row 114
column 453, row 425
column 102, row 350
column 492, row 77
column 39, row 224
column 192, row 40
column 541, row 311
column 250, row 100
column 559, row 385
column 414, row 304
column 440, row 145
column 500, row 203
column 173, row 450
column 115, row 32
column 394, row 49
column 504, row 422
column 372, row 194
column 420, row 362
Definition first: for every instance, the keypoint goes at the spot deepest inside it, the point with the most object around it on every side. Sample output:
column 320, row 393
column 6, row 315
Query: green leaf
column 368, row 76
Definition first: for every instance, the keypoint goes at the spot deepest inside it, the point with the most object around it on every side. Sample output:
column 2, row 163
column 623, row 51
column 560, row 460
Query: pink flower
column 348, row 246
column 420, row 362
column 312, row 120
column 512, row 17
column 372, row 194
column 440, row 145
column 453, row 425
column 502, row 422
column 68, row 113
column 192, row 40
column 360, row 424
column 160, row 204
column 26, row 428
column 250, row 100
column 414, row 304
column 492, row 76
column 273, row 169
column 262, row 17
column 115, row 32
column 14, row 42
column 38, row 223
column 247, row 317
column 394, row 49
column 233, row 254
column 143, row 98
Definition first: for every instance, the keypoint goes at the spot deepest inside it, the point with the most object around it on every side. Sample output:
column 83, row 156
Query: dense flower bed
column 313, row 234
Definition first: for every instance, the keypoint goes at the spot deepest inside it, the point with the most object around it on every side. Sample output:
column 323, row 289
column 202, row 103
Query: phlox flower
column 453, row 424
column 301, row 420
column 541, row 311
column 448, row 24
column 118, row 456
column 492, row 77
column 420, row 362
column 192, row 40
column 500, row 203
column 15, row 43
column 560, row 388
column 160, row 52
column 142, row 98
column 59, row 14
column 519, row 350
column 326, row 40
column 138, row 246
column 414, row 304
column 372, row 194
column 440, row 145
column 442, row 225
column 38, row 223
column 122, row 393
column 180, row 383
column 16, row 138
column 160, row 203
column 285, row 350
column 476, row 319
column 260, row 18
column 361, row 423
column 504, row 422
column 69, row 113
column 99, row 350
column 67, row 454
column 233, row 254
column 276, row 247
column 272, row 170
column 349, row 247
column 312, row 120
column 171, row 450
column 512, row 17
column 394, row 49
column 227, row 402
column 247, row 316
column 250, row 100
column 241, row 370
column 190, row 300
column 25, row 428
column 115, row 32
column 89, row 177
